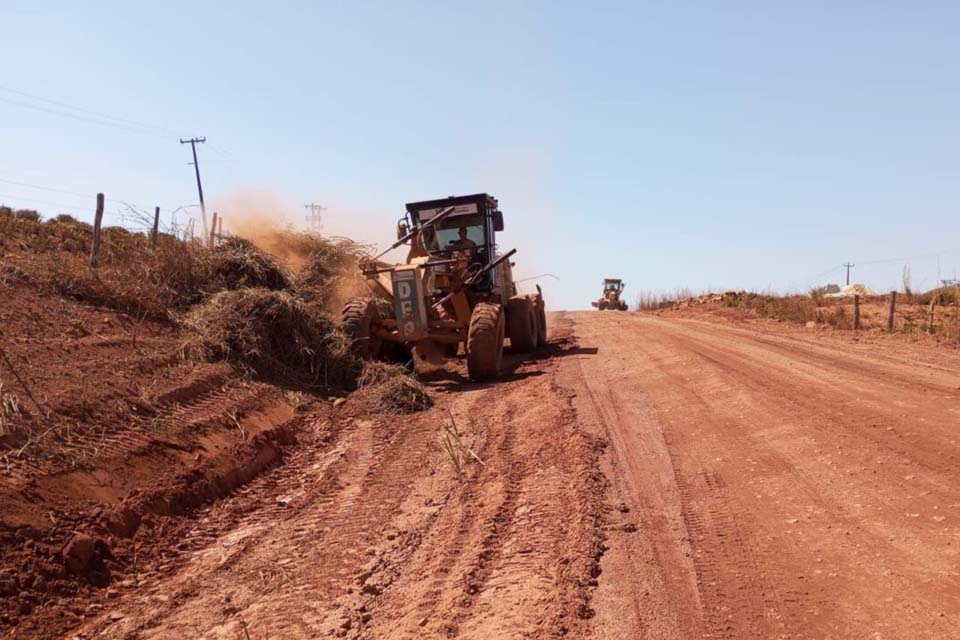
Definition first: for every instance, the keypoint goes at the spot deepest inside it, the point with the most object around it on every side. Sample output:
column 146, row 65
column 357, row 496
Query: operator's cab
column 472, row 225
column 470, row 230
column 612, row 284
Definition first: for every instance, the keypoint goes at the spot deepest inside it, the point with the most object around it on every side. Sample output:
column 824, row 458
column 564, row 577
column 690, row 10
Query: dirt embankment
column 135, row 393
column 105, row 433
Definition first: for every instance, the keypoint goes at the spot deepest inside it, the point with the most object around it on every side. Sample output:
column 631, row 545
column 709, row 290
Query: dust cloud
column 262, row 218
column 267, row 220
column 324, row 267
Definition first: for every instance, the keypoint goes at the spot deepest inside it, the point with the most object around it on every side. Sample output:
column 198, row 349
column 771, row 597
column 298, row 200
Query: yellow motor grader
column 454, row 289
column 612, row 288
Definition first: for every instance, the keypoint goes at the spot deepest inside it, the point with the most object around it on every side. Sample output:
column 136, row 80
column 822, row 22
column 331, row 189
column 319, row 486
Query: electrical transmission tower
column 314, row 221
column 203, row 209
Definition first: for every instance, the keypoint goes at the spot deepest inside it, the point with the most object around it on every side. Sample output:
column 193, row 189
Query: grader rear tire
column 485, row 341
column 541, row 323
column 522, row 324
column 359, row 320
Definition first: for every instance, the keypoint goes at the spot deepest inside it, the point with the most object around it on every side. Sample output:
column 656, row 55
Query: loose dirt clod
column 123, row 521
column 8, row 584
column 271, row 334
column 79, row 554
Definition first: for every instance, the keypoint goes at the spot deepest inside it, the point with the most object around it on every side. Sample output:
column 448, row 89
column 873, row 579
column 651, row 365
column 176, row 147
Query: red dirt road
column 785, row 487
column 643, row 478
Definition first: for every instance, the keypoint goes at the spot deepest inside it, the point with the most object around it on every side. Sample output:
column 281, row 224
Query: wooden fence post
column 213, row 231
column 893, row 310
column 156, row 226
column 97, row 221
column 856, row 311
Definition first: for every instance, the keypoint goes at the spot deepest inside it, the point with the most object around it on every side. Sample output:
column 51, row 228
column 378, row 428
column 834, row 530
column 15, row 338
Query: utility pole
column 848, row 265
column 313, row 218
column 193, row 145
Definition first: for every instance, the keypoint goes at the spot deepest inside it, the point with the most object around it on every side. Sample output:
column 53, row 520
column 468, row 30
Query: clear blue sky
column 723, row 145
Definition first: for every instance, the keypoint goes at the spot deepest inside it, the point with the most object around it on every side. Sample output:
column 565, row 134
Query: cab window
column 447, row 236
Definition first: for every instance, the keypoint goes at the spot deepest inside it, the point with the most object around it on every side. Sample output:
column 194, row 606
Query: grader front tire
column 485, row 341
column 359, row 320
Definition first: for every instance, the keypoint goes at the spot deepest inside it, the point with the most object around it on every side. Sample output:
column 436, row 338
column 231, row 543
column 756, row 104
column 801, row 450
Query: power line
column 222, row 152
column 82, row 118
column 51, row 189
column 67, row 192
column 103, row 116
column 72, row 207
column 891, row 260
column 813, row 279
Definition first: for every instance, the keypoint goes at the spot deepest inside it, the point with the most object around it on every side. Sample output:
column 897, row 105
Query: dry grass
column 652, row 300
column 453, row 445
column 238, row 264
column 389, row 388
column 10, row 411
column 942, row 296
column 270, row 334
column 132, row 276
column 934, row 314
column 795, row 308
column 327, row 270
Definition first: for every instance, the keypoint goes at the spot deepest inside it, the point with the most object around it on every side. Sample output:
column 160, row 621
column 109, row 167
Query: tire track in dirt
column 814, row 396
column 209, row 398
column 653, row 573
column 365, row 531
column 513, row 551
column 311, row 528
column 236, row 566
column 467, row 560
column 798, row 507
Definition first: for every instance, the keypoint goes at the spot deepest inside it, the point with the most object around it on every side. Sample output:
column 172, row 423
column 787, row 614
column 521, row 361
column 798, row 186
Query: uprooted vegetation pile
column 324, row 268
column 271, row 334
column 267, row 315
column 385, row 388
column 237, row 264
